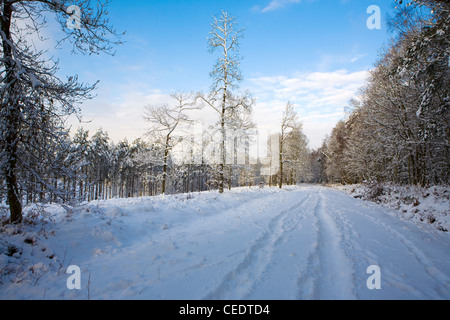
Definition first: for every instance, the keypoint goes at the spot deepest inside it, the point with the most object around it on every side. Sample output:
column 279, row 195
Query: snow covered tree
column 334, row 153
column 100, row 154
column 317, row 165
column 399, row 132
column 409, row 94
column 226, row 74
column 288, row 123
column 164, row 121
column 33, row 99
column 79, row 157
column 296, row 156
column 427, row 62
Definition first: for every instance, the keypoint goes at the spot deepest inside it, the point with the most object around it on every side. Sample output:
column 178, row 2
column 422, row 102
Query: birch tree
column 224, row 38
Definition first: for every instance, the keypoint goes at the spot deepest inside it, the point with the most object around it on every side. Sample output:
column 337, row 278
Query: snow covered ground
column 422, row 205
column 306, row 242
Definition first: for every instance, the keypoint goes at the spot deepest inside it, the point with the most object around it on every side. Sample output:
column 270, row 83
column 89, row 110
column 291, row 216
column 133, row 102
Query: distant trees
column 296, row 153
column 399, row 132
column 104, row 170
column 292, row 147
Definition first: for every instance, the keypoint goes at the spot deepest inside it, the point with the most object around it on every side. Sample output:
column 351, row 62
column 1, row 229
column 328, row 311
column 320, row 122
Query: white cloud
column 319, row 98
column 357, row 57
column 308, row 89
column 278, row 4
column 121, row 117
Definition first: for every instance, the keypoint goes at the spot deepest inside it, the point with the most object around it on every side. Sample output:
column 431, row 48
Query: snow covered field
column 306, row 242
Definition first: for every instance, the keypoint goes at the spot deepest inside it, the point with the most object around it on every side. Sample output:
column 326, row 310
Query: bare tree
column 164, row 121
column 34, row 101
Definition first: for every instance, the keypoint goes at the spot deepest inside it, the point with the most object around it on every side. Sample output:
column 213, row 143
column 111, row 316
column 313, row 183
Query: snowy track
column 304, row 243
column 253, row 268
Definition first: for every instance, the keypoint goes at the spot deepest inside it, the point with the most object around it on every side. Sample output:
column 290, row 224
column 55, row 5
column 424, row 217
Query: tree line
column 40, row 161
column 398, row 130
column 93, row 167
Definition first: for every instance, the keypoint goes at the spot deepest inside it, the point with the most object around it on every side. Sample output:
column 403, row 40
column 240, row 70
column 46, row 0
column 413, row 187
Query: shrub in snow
column 419, row 204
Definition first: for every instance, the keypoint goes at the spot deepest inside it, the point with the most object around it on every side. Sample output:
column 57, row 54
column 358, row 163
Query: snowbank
column 430, row 205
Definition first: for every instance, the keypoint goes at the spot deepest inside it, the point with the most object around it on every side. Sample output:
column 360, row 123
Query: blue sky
column 314, row 53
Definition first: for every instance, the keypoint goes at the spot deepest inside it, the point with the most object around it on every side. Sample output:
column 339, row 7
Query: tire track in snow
column 364, row 256
column 280, row 276
column 329, row 265
column 305, row 285
column 429, row 267
column 239, row 282
column 363, row 252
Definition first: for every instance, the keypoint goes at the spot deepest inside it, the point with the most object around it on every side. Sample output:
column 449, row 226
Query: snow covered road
column 307, row 242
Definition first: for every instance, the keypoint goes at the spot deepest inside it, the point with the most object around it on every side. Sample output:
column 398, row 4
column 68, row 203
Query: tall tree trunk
column 223, row 146
column 12, row 118
column 166, row 156
column 281, row 163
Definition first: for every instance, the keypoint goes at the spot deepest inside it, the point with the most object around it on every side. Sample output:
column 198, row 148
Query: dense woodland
column 398, row 130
